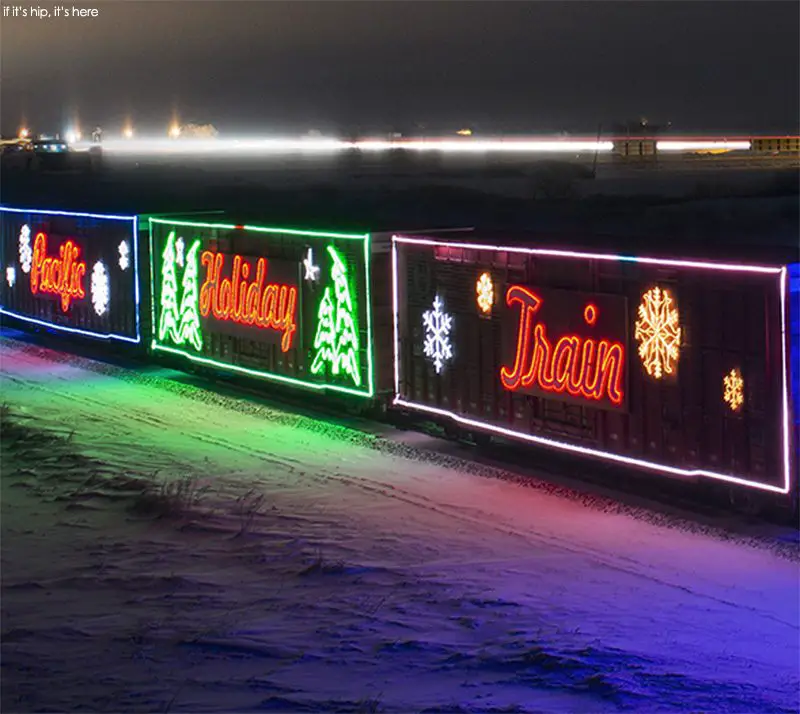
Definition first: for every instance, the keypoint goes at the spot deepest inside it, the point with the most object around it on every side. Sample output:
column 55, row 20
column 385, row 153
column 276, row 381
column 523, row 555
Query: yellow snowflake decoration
column 733, row 389
column 485, row 290
column 658, row 332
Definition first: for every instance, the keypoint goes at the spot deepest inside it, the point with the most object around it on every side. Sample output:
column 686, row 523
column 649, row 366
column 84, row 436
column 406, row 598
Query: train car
column 297, row 308
column 73, row 273
column 685, row 368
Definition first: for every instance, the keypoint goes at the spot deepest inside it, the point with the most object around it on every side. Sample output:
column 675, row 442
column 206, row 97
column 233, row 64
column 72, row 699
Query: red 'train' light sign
column 61, row 276
column 576, row 365
column 271, row 306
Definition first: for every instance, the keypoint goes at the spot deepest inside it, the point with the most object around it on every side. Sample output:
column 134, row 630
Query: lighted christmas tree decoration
column 658, row 332
column 181, row 323
column 169, row 318
column 485, row 289
column 25, row 249
column 189, row 327
column 438, row 324
column 124, row 255
column 733, row 389
column 11, row 276
column 312, row 271
column 100, row 288
column 337, row 341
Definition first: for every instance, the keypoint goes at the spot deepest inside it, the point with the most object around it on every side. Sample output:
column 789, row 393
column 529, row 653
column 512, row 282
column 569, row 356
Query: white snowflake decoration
column 438, row 325
column 312, row 271
column 179, row 247
column 11, row 276
column 124, row 255
column 25, row 250
column 101, row 288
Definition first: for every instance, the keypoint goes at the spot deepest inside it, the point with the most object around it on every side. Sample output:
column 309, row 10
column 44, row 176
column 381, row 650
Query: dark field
column 693, row 204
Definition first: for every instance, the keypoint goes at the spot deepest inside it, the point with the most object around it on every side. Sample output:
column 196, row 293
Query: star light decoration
column 124, row 255
column 312, row 271
column 733, row 389
column 658, row 332
column 485, row 290
column 179, row 249
column 25, row 250
column 438, row 324
column 11, row 276
column 101, row 288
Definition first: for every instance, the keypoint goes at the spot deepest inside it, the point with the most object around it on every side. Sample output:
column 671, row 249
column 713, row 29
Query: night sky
column 266, row 67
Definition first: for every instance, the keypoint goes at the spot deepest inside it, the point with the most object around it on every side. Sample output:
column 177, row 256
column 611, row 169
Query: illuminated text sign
column 567, row 346
column 245, row 298
column 62, row 275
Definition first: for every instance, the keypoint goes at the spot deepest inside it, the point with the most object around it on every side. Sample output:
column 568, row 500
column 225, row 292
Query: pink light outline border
column 583, row 450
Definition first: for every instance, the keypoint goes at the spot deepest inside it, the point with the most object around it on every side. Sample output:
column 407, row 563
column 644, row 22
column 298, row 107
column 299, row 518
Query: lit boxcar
column 293, row 307
column 71, row 272
column 677, row 367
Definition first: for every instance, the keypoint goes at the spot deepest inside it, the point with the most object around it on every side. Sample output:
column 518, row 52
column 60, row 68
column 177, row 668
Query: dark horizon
column 706, row 67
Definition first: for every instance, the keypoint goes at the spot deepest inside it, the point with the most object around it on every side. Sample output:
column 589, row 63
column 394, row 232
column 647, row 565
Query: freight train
column 674, row 367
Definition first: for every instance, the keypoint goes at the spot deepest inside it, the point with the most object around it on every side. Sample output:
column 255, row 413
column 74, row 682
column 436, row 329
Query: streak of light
column 142, row 146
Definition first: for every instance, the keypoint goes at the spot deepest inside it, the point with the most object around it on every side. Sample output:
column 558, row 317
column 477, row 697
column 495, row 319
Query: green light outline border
column 365, row 393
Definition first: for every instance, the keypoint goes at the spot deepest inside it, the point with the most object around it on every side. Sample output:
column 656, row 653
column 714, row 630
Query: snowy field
column 167, row 548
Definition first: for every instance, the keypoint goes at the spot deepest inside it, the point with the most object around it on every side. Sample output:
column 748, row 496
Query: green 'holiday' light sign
column 285, row 305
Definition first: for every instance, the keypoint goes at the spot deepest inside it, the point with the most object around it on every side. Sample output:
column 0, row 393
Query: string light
column 485, row 290
column 733, row 389
column 100, row 287
column 581, row 367
column 336, row 341
column 438, row 325
column 658, row 332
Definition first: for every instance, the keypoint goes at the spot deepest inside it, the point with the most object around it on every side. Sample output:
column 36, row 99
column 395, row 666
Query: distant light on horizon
column 321, row 145
column 710, row 145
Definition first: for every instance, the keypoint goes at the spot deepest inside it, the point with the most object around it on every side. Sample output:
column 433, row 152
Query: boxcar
column 679, row 367
column 296, row 308
column 74, row 273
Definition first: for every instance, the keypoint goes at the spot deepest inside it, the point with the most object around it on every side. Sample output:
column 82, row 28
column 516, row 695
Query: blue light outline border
column 76, row 330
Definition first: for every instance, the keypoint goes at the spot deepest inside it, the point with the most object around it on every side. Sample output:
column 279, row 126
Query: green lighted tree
column 189, row 329
column 168, row 318
column 336, row 340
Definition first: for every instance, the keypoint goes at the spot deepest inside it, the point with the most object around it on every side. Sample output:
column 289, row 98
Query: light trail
column 318, row 146
column 244, row 146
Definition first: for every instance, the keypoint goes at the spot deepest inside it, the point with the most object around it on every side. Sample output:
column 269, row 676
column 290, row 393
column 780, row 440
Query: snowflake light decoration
column 733, row 389
column 312, row 270
column 179, row 248
column 438, row 324
column 658, row 332
column 25, row 250
column 11, row 276
column 101, row 288
column 485, row 289
column 124, row 255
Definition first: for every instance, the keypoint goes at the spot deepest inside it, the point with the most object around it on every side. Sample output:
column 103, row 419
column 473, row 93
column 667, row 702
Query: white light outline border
column 583, row 450
column 75, row 330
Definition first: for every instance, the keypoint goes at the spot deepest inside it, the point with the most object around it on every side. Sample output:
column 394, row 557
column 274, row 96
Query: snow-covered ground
column 312, row 567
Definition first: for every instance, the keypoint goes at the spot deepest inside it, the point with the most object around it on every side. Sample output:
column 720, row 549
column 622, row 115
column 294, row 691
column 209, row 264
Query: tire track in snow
column 373, row 486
